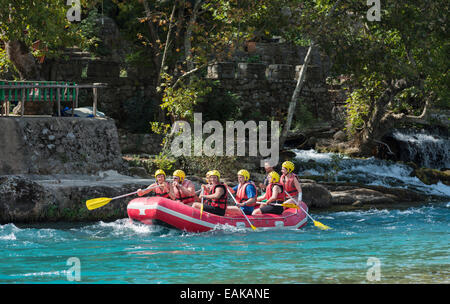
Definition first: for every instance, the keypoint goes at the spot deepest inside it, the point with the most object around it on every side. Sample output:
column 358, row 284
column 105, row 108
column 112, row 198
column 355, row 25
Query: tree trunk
column 188, row 35
column 383, row 121
column 25, row 63
column 168, row 41
column 299, row 86
column 154, row 37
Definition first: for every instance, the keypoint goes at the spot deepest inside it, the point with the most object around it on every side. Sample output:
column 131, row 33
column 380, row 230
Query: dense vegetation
column 395, row 68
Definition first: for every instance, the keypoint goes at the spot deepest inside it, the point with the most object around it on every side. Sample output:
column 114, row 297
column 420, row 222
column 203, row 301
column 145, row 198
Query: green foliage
column 164, row 161
column 45, row 20
column 410, row 43
column 6, row 67
column 199, row 165
column 359, row 101
column 90, row 31
column 180, row 101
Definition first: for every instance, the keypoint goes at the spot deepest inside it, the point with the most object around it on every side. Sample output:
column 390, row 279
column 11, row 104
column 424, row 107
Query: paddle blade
column 321, row 226
column 290, row 205
column 97, row 202
column 253, row 227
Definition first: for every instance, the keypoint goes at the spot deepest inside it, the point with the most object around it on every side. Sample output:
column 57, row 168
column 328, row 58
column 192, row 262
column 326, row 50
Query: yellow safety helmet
column 208, row 173
column 244, row 173
column 180, row 174
column 216, row 173
column 274, row 177
column 160, row 171
column 288, row 165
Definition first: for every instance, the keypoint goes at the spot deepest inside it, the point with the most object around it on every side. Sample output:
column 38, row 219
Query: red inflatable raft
column 163, row 211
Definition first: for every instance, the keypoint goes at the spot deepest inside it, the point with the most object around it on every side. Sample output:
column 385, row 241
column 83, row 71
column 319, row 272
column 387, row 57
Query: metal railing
column 50, row 91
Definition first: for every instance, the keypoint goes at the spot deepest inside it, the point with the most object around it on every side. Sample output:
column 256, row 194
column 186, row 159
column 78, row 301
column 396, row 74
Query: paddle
column 201, row 208
column 316, row 223
column 253, row 227
column 285, row 204
column 102, row 201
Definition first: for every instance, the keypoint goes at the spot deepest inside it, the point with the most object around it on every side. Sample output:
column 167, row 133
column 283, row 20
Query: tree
column 397, row 66
column 26, row 23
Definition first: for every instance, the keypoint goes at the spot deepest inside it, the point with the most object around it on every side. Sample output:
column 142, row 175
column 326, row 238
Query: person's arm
column 141, row 192
column 189, row 190
column 219, row 192
column 172, row 191
column 232, row 189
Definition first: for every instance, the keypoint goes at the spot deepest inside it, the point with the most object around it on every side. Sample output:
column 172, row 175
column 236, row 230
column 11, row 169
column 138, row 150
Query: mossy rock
column 432, row 176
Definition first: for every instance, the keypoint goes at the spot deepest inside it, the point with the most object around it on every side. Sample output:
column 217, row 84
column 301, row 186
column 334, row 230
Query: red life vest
column 220, row 202
column 281, row 196
column 289, row 185
column 160, row 192
column 241, row 195
column 180, row 196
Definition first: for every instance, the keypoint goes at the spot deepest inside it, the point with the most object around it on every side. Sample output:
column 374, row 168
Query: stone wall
column 266, row 89
column 58, row 145
column 140, row 143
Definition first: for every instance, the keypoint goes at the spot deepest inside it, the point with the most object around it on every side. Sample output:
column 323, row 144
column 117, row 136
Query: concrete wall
column 58, row 145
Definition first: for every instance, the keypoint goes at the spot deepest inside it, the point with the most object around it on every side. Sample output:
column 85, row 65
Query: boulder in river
column 432, row 176
column 315, row 195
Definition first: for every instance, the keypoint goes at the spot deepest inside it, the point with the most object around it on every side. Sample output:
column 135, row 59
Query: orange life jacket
column 159, row 191
column 220, row 202
column 281, row 196
column 180, row 196
column 289, row 185
column 241, row 195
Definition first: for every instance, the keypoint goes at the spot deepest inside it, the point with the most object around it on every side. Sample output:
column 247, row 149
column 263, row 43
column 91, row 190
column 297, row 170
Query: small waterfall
column 426, row 148
column 369, row 171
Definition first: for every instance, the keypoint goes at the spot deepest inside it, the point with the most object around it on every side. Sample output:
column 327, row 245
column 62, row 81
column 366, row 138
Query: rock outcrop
column 58, row 145
column 28, row 199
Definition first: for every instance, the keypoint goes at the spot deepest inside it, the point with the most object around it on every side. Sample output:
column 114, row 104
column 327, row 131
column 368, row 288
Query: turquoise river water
column 386, row 246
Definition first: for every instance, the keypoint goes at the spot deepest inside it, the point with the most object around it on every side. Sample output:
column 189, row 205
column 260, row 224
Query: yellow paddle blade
column 290, row 205
column 201, row 211
column 321, row 226
column 253, row 227
column 97, row 202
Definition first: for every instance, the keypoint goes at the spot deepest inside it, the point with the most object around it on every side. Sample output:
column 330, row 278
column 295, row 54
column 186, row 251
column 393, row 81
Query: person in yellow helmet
column 246, row 194
column 208, row 180
column 183, row 189
column 290, row 181
column 215, row 196
column 274, row 195
column 161, row 187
